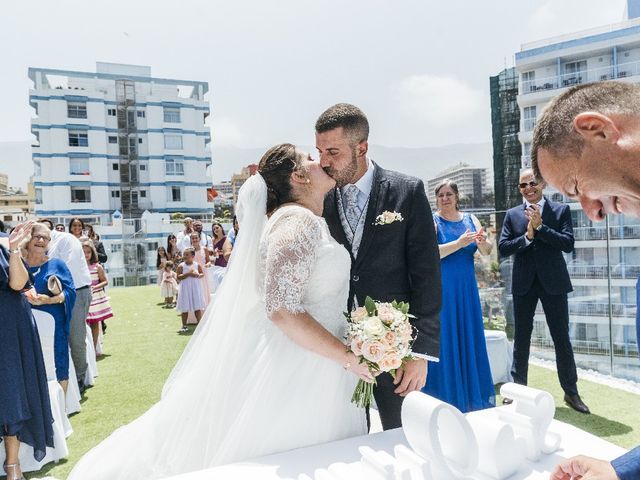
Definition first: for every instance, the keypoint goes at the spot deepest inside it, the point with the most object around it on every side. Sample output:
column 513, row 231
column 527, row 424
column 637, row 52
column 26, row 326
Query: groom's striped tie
column 351, row 209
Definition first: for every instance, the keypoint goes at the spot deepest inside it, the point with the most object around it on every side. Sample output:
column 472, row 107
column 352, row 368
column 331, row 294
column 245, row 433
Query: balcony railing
column 593, row 309
column 600, row 271
column 600, row 233
column 564, row 80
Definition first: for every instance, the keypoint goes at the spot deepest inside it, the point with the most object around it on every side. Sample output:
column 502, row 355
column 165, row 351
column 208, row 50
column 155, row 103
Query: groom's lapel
column 377, row 199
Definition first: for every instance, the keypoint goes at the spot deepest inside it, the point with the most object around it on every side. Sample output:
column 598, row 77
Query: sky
column 418, row 68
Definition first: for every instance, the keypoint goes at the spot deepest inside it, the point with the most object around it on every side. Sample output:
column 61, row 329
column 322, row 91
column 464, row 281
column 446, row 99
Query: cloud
column 553, row 18
column 225, row 133
column 438, row 99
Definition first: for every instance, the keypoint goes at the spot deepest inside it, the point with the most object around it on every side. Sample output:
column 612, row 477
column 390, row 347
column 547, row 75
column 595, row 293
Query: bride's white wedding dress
column 242, row 388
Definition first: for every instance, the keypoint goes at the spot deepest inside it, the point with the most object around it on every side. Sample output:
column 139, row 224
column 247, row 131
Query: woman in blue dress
column 462, row 377
column 25, row 410
column 58, row 304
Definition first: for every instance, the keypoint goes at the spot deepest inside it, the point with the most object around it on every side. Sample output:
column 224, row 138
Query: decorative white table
column 305, row 461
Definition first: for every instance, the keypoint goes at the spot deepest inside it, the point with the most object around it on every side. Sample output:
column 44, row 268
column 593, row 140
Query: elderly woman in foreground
column 25, row 411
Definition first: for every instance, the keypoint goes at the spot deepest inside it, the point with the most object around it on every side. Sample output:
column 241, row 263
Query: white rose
column 373, row 327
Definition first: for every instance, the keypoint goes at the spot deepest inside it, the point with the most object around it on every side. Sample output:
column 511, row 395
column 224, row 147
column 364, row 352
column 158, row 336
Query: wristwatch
column 14, row 250
column 539, row 227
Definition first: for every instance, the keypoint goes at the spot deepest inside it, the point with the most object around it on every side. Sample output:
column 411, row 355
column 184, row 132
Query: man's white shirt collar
column 364, row 184
column 540, row 203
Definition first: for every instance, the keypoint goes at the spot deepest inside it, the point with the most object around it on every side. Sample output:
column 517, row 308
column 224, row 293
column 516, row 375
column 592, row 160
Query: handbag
column 54, row 285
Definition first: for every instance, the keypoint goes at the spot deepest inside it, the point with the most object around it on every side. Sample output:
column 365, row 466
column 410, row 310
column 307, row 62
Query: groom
column 390, row 261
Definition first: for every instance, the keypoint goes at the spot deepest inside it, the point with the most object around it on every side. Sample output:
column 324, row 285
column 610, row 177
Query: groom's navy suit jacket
column 543, row 256
column 399, row 261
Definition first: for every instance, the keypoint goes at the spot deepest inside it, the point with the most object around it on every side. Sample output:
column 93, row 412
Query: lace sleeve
column 290, row 258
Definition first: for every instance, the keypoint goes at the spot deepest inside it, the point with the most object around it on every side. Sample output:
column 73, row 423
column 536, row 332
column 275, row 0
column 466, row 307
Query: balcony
column 622, row 70
column 600, row 233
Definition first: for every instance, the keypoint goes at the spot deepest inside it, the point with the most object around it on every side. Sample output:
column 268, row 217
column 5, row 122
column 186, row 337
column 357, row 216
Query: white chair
column 92, row 365
column 46, row 329
column 500, row 353
column 73, row 390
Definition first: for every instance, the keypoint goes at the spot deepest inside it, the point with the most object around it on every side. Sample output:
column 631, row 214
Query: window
column 38, row 196
column 171, row 115
column 116, row 247
column 80, row 194
column 133, row 146
column 529, row 114
column 115, row 193
column 173, row 142
column 176, row 194
column 76, row 110
column 174, row 166
column 118, row 281
column 111, row 112
column 113, row 139
column 140, row 113
column 78, row 139
column 79, row 166
column 152, row 246
column 143, row 167
column 575, row 67
column 139, row 140
column 37, row 168
column 529, row 81
column 143, row 194
column 115, row 166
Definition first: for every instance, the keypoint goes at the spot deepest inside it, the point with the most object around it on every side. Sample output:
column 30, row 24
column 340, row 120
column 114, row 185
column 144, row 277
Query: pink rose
column 356, row 346
column 390, row 338
column 359, row 314
column 390, row 361
column 386, row 313
column 373, row 351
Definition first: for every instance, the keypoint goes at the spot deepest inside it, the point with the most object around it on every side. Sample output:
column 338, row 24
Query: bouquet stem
column 363, row 394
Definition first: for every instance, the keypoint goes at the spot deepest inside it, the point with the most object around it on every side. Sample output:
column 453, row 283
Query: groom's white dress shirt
column 364, row 186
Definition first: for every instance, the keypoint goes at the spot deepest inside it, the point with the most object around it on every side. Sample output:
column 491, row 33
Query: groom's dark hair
column 349, row 117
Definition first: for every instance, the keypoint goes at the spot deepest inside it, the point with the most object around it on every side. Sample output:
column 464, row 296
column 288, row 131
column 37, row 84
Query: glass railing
column 602, row 307
column 564, row 80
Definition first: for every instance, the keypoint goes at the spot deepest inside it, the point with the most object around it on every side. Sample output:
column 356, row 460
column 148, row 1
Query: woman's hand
column 19, row 234
column 361, row 370
column 40, row 299
column 466, row 238
column 481, row 237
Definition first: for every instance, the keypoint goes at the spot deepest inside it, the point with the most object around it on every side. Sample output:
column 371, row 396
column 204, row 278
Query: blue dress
column 61, row 312
column 462, row 377
column 25, row 410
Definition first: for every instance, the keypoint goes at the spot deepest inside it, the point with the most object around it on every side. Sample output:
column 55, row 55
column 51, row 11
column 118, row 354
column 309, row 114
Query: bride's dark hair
column 276, row 167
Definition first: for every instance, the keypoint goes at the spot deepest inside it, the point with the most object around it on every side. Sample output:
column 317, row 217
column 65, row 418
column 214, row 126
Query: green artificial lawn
column 142, row 345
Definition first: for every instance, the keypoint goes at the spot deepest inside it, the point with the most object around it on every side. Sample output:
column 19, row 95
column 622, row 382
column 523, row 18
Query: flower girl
column 191, row 298
column 168, row 284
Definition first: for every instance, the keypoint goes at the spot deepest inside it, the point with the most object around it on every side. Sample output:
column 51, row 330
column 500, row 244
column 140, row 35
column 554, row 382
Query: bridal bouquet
column 380, row 335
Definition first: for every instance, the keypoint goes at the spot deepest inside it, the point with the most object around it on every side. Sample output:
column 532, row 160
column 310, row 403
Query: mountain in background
column 424, row 163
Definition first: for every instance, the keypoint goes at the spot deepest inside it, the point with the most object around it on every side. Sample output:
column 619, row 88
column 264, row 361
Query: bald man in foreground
column 587, row 145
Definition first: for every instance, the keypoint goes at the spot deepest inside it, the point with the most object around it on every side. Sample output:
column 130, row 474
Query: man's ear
column 594, row 126
column 362, row 148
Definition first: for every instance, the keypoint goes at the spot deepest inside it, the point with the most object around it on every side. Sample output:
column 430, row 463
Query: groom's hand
column 411, row 376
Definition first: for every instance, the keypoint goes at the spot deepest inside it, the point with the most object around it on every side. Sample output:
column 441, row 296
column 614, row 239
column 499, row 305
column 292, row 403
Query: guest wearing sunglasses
column 536, row 233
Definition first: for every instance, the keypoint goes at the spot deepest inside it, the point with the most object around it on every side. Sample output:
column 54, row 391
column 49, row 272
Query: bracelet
column 14, row 250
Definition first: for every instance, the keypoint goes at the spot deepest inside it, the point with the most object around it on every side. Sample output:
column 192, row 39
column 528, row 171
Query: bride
column 266, row 370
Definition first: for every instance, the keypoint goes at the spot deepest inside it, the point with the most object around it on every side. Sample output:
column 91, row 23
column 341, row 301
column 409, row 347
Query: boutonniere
column 387, row 217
